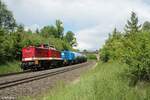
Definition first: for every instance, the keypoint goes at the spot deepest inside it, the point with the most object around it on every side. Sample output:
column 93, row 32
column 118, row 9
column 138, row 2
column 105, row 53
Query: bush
column 113, row 48
column 133, row 50
column 137, row 56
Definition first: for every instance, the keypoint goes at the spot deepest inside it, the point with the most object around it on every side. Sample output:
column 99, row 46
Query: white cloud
column 92, row 20
column 92, row 36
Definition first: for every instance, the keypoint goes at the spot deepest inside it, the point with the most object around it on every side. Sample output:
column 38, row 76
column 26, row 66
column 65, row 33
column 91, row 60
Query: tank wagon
column 45, row 57
column 79, row 58
column 70, row 57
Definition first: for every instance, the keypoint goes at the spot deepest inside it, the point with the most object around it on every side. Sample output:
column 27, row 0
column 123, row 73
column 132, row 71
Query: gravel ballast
column 37, row 87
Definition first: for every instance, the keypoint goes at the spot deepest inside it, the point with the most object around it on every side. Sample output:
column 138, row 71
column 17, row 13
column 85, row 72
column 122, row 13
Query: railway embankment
column 10, row 67
column 106, row 81
column 43, row 84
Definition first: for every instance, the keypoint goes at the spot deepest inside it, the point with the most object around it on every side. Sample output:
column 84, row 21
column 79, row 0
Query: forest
column 14, row 36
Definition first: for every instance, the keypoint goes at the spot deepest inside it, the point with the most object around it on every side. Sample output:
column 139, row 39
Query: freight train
column 45, row 57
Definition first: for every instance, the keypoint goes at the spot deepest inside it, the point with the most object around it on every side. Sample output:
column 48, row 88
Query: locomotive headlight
column 62, row 54
column 36, row 62
column 65, row 61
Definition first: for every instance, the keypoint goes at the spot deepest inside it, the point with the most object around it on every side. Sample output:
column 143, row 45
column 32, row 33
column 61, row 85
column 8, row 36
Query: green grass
column 105, row 82
column 10, row 67
column 91, row 57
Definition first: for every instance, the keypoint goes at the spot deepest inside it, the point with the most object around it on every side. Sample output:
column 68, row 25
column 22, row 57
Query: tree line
column 13, row 36
column 132, row 47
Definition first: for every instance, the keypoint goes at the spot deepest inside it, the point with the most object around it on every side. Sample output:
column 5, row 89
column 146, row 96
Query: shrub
column 133, row 50
column 137, row 56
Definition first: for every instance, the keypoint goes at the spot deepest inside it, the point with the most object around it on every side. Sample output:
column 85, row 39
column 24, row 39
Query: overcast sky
column 91, row 20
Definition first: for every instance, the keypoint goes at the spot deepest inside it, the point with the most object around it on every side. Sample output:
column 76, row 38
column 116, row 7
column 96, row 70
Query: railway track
column 40, row 76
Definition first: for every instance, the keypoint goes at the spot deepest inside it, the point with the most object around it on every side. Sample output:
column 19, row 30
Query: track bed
column 38, row 82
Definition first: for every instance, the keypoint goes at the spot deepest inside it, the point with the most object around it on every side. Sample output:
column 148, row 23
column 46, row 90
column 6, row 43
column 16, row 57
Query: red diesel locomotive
column 39, row 57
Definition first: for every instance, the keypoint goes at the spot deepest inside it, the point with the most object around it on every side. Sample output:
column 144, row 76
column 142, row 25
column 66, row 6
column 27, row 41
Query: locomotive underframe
column 41, row 64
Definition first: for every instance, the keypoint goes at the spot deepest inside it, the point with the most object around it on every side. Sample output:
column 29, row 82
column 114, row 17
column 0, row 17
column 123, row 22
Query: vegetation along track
column 15, row 73
column 37, row 77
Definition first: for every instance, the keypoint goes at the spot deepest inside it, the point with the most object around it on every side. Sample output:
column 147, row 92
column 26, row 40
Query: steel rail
column 37, row 77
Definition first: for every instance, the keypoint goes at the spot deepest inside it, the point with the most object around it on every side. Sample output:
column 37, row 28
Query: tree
column 20, row 28
column 2, row 51
column 7, row 20
column 132, row 25
column 17, row 38
column 116, row 34
column 37, row 31
column 132, row 49
column 70, row 38
column 56, row 31
column 49, row 31
column 146, row 26
column 59, row 28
